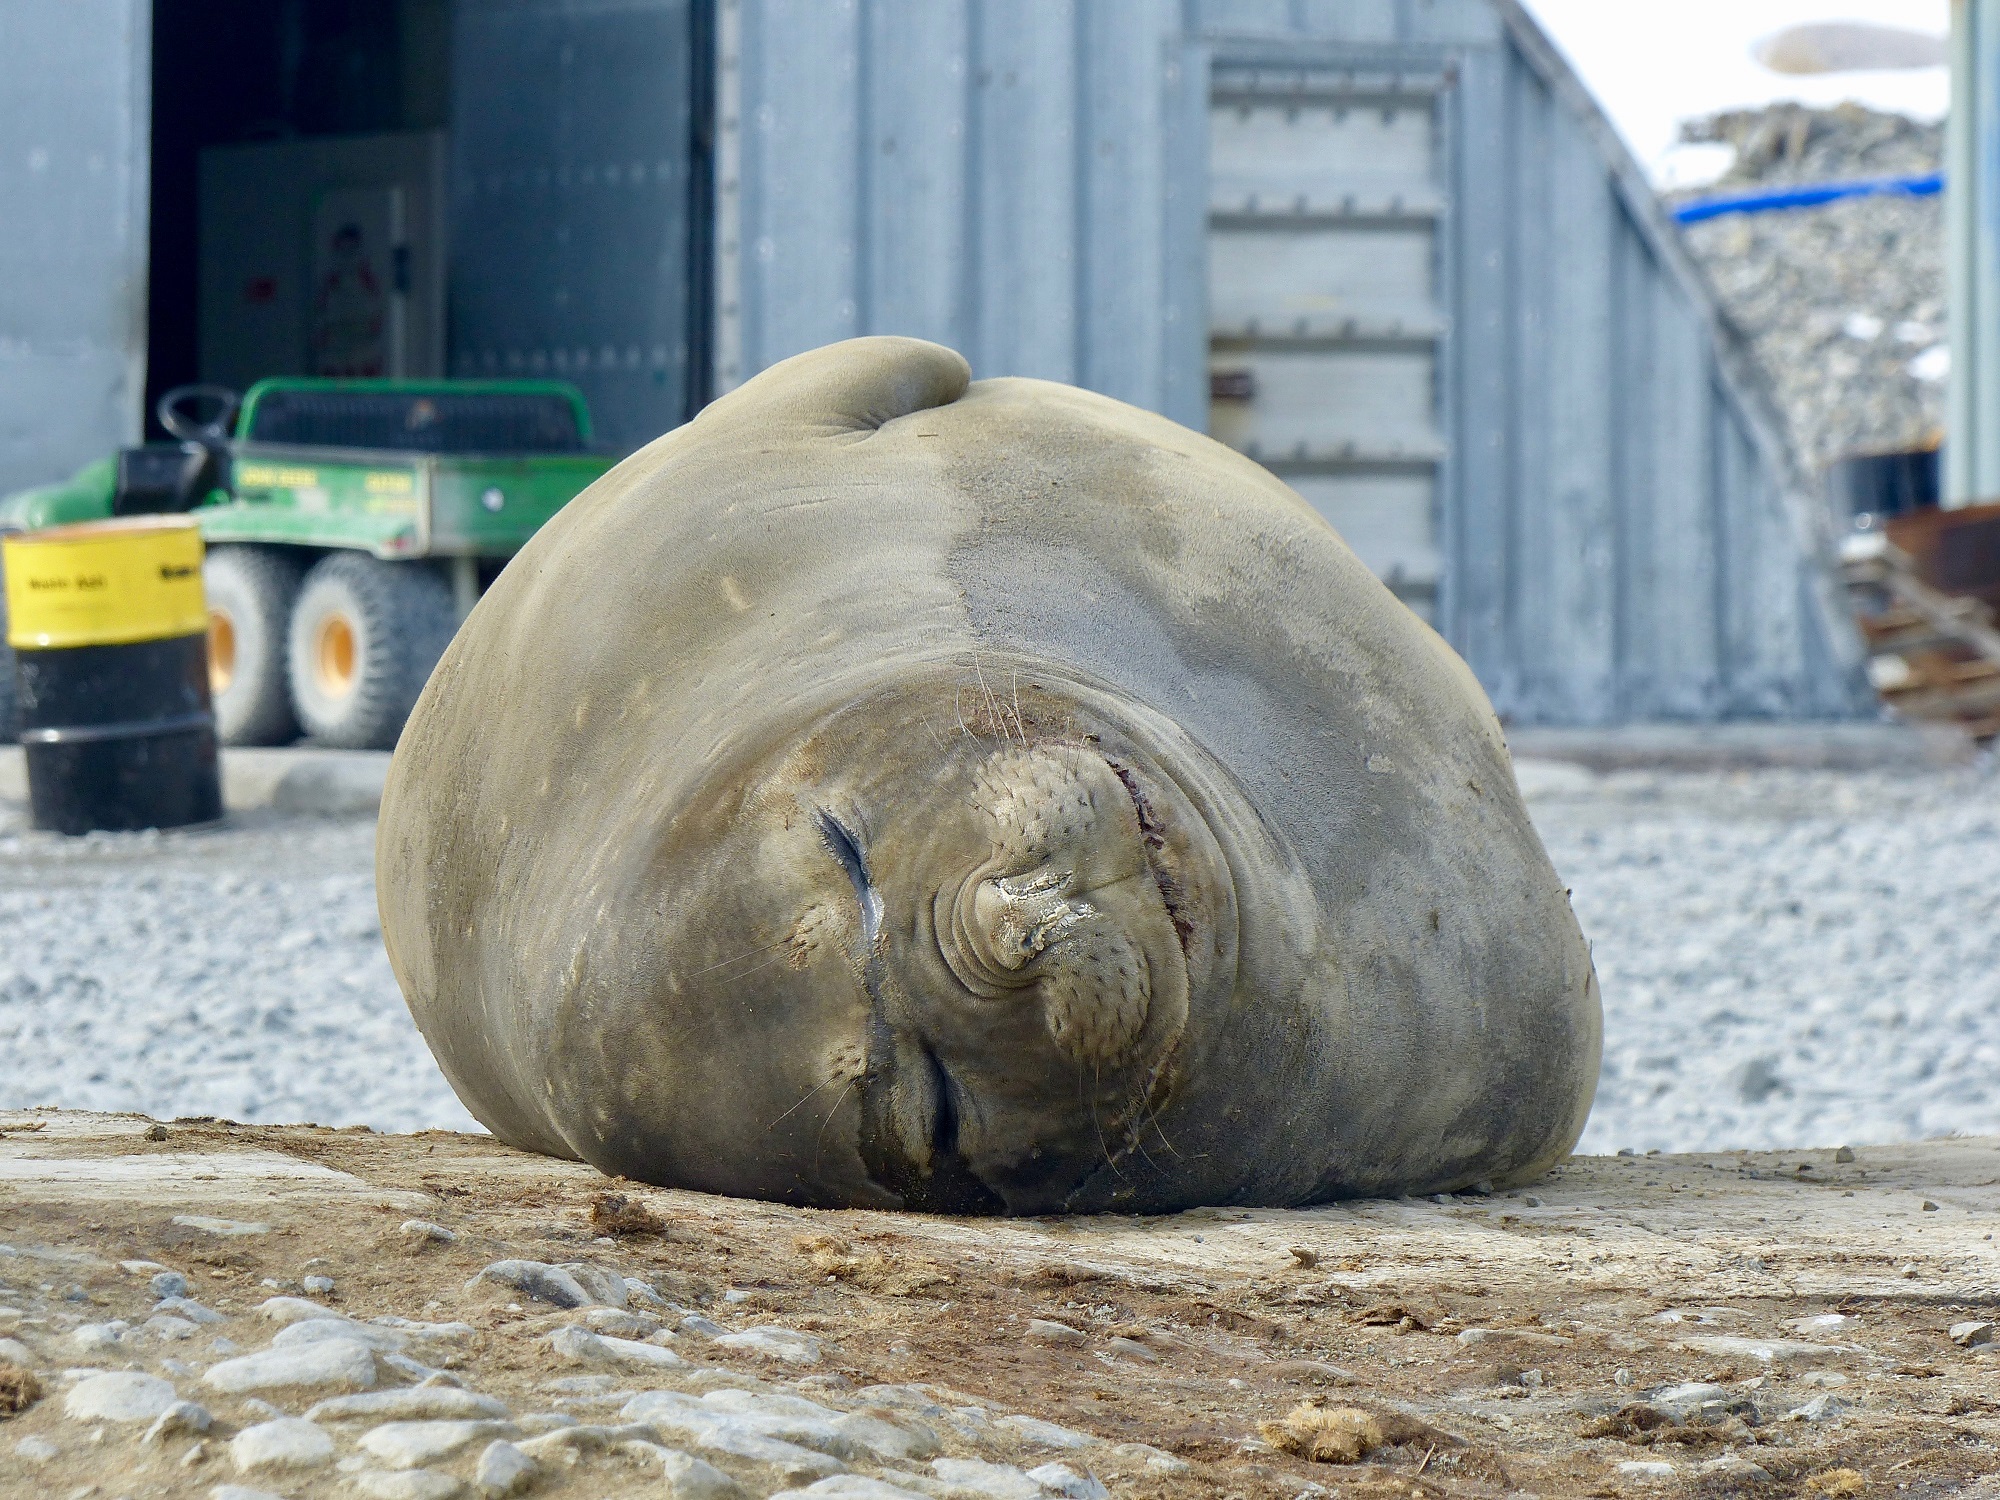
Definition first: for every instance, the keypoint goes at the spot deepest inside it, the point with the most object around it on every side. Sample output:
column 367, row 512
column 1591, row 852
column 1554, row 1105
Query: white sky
column 1654, row 63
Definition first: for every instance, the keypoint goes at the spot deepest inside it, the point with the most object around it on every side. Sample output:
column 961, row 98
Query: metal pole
column 1972, row 218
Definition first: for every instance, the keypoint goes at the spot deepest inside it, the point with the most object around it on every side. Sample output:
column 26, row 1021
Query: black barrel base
column 121, row 785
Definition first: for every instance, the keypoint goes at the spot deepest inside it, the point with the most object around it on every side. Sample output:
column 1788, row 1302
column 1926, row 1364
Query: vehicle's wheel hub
column 333, row 656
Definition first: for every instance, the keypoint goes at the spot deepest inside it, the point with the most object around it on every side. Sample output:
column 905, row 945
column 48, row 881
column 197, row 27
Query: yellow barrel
column 109, row 628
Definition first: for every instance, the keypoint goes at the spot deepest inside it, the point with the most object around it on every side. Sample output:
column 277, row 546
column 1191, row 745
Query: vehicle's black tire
column 364, row 637
column 251, row 591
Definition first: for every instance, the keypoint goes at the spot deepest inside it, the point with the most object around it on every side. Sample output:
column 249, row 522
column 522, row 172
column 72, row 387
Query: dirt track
column 1720, row 1269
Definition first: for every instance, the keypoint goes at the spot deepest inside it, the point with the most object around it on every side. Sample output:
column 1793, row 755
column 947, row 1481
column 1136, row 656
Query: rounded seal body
column 888, row 790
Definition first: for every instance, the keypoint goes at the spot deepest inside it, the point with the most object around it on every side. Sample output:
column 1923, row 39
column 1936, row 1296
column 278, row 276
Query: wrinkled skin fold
column 890, row 790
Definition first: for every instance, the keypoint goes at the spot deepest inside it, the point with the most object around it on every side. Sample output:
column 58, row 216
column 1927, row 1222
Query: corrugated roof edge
column 1736, row 367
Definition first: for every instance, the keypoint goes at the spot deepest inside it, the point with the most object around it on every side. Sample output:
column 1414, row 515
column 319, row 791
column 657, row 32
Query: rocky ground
column 307, row 1313
column 1843, row 304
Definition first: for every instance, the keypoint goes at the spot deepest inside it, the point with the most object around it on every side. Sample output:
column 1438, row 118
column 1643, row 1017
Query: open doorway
column 297, row 211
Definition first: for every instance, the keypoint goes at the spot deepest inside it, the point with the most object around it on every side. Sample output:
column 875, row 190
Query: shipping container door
column 573, row 205
column 1325, row 300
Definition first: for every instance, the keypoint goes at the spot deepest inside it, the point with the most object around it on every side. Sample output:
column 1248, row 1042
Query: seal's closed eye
column 846, row 848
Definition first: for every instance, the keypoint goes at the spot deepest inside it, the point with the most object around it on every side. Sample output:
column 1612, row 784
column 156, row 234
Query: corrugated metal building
column 1389, row 247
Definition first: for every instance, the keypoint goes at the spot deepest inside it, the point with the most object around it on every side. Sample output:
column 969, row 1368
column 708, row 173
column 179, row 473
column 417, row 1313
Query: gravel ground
column 1789, row 959
column 236, row 973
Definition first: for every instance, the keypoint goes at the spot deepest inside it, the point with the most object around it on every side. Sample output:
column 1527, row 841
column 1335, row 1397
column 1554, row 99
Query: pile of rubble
column 1842, row 304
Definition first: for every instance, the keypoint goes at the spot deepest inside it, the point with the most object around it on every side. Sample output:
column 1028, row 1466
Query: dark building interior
column 527, row 111
column 232, row 71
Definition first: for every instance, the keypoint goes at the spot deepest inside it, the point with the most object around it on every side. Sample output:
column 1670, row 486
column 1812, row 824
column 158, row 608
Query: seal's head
column 992, row 918
column 884, row 793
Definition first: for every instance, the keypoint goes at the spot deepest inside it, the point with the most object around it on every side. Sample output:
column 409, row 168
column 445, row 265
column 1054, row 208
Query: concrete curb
column 1749, row 747
column 302, row 779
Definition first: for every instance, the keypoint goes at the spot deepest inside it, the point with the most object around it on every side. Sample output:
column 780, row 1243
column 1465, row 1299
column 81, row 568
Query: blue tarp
column 1806, row 195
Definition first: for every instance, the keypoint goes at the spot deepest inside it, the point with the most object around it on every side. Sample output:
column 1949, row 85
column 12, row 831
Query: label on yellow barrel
column 104, row 583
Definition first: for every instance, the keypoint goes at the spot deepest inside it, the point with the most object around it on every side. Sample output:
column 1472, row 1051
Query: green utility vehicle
column 351, row 524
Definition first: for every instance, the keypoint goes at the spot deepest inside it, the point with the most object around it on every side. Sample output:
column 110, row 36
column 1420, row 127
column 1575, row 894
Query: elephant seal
column 890, row 790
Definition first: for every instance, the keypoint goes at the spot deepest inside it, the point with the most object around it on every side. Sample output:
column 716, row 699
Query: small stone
column 327, row 1328
column 772, row 1342
column 1048, row 1331
column 187, row 1307
column 695, row 1323
column 1701, row 1401
column 169, row 1284
column 606, row 1288
column 289, row 1443
column 423, row 1403
column 36, row 1450
column 339, row 1363
column 1930, row 1207
column 503, row 1470
column 581, row 1346
column 536, row 1280
column 182, row 1416
column 997, row 1481
column 171, row 1330
column 156, row 1132
column 1531, row 1201
column 99, row 1338
column 1822, row 1408
column 1731, row 1471
column 1844, row 1155
column 241, row 1492
column 317, row 1286
column 406, row 1484
column 1133, row 1349
column 619, row 1323
column 1971, row 1335
column 424, row 1232
column 691, row 1478
column 1047, row 1434
column 196, row 1455
column 412, row 1445
column 14, row 1352
column 1646, row 1468
column 1158, row 1460
column 1061, row 1479
column 291, row 1309
column 1306, row 1259
column 734, row 1295
column 119, row 1396
column 1622, row 1377
column 228, row 1229
column 851, row 1487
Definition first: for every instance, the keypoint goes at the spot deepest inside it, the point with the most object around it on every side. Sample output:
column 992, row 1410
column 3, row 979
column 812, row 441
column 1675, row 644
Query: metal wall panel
column 999, row 175
column 1614, row 523
column 75, row 90
column 1324, row 297
column 570, row 188
column 1540, row 415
